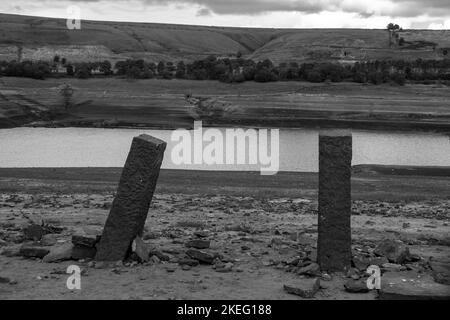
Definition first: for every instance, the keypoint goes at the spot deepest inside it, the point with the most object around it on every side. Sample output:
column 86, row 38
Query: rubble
column 356, row 286
column 305, row 288
column 394, row 250
column 33, row 251
column 201, row 256
column 198, row 244
column 59, row 253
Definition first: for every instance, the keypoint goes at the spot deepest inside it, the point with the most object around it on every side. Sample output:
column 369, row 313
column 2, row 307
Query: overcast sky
column 423, row 14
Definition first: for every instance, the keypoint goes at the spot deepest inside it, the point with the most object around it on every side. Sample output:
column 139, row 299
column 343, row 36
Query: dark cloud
column 204, row 12
column 397, row 8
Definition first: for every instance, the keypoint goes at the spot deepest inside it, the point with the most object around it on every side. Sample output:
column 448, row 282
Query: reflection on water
column 94, row 147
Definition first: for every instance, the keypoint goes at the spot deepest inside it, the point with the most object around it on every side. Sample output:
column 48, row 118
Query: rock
column 305, row 288
column 312, row 269
column 34, row 232
column 441, row 271
column 392, row 267
column 201, row 234
column 83, row 252
column 410, row 285
column 326, row 277
column 171, row 267
column 188, row 262
column 201, row 256
column 59, row 253
column 198, row 244
column 31, row 251
column 141, row 249
column 223, row 267
column 155, row 259
column 4, row 279
column 394, row 250
column 158, row 253
column 11, row 251
column 49, row 240
column 85, row 241
column 362, row 262
column 356, row 286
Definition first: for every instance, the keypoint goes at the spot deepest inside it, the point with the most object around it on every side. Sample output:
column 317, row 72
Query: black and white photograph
column 249, row 151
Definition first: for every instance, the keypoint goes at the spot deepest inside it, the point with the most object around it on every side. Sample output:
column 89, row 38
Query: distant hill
column 39, row 38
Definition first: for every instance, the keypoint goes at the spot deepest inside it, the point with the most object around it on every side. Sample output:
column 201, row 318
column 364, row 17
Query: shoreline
column 377, row 183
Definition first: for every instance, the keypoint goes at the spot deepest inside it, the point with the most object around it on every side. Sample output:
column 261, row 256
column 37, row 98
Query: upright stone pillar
column 130, row 207
column 334, row 234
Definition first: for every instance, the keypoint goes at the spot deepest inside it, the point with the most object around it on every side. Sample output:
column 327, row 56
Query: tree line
column 239, row 70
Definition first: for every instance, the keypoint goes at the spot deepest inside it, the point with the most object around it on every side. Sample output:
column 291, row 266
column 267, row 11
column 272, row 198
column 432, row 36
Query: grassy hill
column 42, row 38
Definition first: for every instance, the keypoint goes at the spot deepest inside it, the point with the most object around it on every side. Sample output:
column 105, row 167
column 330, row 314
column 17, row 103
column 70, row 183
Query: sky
column 416, row 14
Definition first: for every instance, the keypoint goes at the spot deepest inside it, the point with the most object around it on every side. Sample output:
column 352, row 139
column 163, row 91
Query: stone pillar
column 334, row 234
column 130, row 207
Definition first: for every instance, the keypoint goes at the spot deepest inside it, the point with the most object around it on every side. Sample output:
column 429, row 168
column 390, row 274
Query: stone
column 198, row 244
column 305, row 288
column 356, row 286
column 34, row 232
column 201, row 256
column 409, row 285
column 188, row 262
column 49, row 240
column 141, row 249
column 32, row 251
column 334, row 232
column 59, row 253
column 201, row 234
column 394, row 250
column 312, row 269
column 135, row 192
column 11, row 251
column 222, row 267
column 83, row 252
column 85, row 241
column 441, row 271
column 161, row 255
column 386, row 267
column 171, row 267
column 4, row 279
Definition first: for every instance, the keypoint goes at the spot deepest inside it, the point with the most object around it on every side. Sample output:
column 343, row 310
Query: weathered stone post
column 334, row 234
column 130, row 207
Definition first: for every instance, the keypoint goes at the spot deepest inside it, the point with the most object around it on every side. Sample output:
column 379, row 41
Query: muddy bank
column 162, row 104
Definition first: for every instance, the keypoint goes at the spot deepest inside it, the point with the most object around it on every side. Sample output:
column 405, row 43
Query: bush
column 265, row 75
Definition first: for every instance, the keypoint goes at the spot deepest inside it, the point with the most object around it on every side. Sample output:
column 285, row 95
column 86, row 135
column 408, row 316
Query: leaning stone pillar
column 334, row 234
column 130, row 207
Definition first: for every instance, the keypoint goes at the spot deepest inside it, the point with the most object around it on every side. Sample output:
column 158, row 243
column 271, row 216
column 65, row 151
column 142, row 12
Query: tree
column 66, row 91
column 69, row 70
column 392, row 29
column 181, row 70
column 161, row 68
column 105, row 67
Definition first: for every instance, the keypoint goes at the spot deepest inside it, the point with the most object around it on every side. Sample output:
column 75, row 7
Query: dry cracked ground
column 216, row 247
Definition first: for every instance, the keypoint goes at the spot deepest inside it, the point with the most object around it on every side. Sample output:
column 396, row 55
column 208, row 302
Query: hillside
column 42, row 38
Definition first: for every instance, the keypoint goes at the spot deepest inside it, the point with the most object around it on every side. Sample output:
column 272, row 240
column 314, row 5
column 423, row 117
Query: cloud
column 203, row 12
column 393, row 8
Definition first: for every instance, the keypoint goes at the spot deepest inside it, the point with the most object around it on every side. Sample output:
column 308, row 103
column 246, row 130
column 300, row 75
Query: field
column 42, row 38
column 114, row 102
